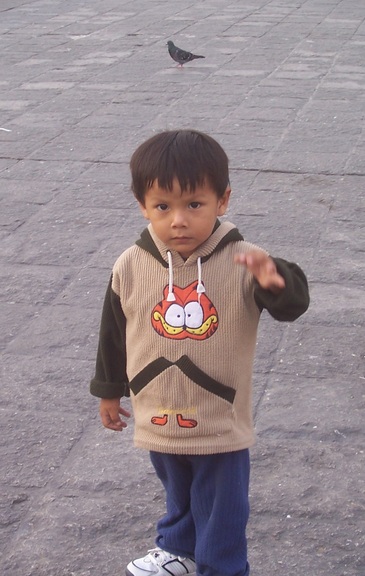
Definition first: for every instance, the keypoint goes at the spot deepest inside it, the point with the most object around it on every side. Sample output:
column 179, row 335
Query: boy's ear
column 223, row 201
column 143, row 210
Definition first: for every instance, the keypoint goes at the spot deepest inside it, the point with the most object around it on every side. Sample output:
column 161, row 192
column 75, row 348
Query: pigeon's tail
column 197, row 56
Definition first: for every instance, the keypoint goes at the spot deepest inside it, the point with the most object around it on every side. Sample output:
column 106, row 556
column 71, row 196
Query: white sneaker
column 161, row 563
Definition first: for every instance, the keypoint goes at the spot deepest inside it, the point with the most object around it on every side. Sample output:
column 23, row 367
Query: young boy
column 178, row 334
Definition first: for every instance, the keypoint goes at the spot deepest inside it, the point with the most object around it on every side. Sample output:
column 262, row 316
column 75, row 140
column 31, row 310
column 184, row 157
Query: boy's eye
column 162, row 207
column 195, row 204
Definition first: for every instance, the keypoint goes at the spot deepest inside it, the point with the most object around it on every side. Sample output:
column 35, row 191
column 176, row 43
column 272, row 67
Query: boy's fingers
column 115, row 425
column 263, row 268
column 111, row 421
column 240, row 258
column 280, row 281
column 271, row 280
column 252, row 259
column 276, row 282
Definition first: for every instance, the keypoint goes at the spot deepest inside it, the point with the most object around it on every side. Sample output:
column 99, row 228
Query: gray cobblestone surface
column 282, row 87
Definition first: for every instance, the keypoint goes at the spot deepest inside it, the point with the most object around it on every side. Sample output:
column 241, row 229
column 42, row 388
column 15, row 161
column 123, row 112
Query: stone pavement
column 283, row 89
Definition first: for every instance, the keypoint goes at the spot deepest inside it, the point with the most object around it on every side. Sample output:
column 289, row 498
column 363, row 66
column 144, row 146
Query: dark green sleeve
column 110, row 380
column 293, row 300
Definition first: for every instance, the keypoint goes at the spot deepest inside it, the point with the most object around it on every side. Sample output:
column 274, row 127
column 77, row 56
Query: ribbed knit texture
column 225, row 357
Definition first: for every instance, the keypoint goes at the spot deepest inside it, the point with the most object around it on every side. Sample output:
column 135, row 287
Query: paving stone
column 282, row 89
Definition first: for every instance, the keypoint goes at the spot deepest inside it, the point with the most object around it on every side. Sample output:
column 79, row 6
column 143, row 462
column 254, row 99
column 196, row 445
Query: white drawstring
column 200, row 288
column 171, row 295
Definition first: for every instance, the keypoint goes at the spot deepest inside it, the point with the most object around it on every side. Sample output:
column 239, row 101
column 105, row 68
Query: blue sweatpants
column 206, row 510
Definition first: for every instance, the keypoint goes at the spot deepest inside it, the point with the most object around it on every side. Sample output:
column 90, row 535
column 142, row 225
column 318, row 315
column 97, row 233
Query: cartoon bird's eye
column 194, row 315
column 175, row 316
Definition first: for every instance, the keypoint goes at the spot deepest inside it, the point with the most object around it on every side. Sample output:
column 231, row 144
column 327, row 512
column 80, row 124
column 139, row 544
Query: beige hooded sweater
column 179, row 336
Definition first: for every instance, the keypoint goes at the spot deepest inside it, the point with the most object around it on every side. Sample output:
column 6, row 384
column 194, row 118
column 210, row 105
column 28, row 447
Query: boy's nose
column 178, row 218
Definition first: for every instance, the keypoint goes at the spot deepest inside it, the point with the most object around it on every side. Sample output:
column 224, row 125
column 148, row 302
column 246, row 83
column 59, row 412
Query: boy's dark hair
column 192, row 157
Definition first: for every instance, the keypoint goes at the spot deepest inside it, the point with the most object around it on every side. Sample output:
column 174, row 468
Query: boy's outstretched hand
column 263, row 269
column 110, row 411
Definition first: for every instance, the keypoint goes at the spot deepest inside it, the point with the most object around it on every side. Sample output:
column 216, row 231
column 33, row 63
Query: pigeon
column 181, row 56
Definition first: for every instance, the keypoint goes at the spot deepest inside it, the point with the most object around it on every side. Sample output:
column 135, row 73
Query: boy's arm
column 291, row 301
column 110, row 380
column 280, row 286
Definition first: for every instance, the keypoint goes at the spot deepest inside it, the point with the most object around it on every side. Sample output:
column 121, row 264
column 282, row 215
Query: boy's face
column 183, row 220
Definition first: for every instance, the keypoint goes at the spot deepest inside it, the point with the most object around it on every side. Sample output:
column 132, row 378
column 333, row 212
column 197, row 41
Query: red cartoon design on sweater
column 182, row 422
column 190, row 315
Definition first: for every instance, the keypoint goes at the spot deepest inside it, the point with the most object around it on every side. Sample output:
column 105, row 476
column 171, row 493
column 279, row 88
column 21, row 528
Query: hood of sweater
column 223, row 233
